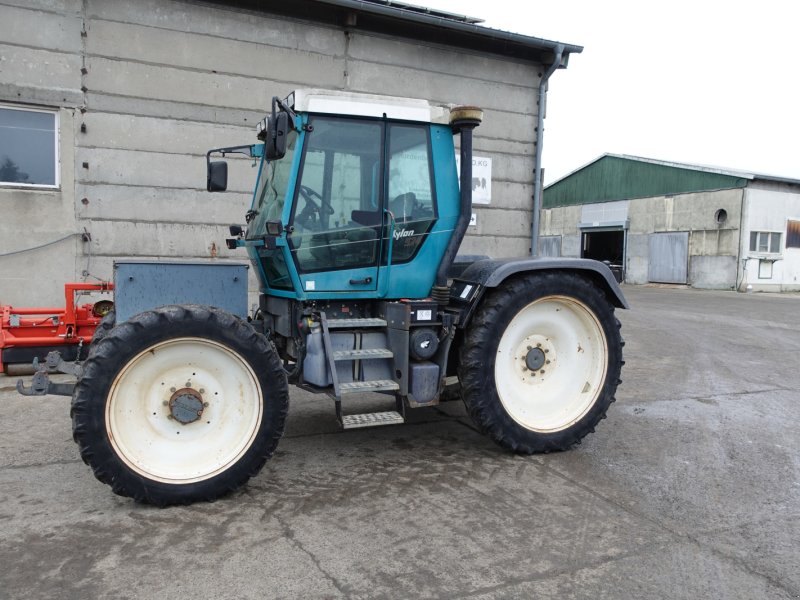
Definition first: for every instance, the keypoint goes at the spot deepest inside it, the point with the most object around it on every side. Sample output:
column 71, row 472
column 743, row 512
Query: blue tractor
column 354, row 229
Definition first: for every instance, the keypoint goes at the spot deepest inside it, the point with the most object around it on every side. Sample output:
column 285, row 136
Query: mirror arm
column 248, row 150
column 282, row 105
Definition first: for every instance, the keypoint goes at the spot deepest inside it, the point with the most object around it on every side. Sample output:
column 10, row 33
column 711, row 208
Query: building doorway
column 606, row 245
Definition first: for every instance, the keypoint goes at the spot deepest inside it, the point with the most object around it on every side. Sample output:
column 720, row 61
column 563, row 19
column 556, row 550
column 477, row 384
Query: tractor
column 356, row 220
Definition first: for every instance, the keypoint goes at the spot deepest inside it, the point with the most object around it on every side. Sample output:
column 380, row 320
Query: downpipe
column 537, row 170
column 463, row 120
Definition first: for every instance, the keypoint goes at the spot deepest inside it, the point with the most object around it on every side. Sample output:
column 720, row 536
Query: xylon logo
column 403, row 233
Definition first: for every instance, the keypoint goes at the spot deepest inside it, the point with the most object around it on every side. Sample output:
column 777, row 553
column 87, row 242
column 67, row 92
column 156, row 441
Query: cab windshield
column 271, row 189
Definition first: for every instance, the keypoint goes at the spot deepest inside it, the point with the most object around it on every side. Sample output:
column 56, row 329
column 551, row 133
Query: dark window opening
column 793, row 234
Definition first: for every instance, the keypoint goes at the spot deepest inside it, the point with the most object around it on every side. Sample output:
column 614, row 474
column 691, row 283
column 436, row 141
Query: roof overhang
column 403, row 20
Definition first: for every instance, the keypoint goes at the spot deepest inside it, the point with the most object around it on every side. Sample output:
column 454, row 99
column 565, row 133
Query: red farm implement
column 29, row 333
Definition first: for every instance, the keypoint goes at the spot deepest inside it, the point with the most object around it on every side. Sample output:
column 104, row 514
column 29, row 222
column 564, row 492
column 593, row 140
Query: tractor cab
column 357, row 196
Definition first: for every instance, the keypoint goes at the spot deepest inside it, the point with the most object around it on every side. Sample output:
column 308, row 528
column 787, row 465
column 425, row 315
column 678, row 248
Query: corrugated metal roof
column 623, row 177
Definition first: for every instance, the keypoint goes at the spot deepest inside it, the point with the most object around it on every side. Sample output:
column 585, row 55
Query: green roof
column 616, row 177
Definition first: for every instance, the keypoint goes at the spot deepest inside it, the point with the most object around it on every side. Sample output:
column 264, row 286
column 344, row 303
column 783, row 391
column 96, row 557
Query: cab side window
column 411, row 197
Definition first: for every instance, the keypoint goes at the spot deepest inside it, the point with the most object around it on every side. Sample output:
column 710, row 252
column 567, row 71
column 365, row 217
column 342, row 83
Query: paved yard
column 690, row 489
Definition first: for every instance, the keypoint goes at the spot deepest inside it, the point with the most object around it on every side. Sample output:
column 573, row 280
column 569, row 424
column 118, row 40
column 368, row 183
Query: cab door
column 411, row 197
column 335, row 231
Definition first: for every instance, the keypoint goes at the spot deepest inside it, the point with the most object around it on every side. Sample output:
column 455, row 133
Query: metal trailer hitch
column 41, row 384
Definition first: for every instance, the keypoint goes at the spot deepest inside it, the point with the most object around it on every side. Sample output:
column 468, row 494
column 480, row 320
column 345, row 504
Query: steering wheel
column 308, row 195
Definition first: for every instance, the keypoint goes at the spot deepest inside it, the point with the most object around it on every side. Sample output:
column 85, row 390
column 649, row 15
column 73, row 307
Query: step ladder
column 354, row 356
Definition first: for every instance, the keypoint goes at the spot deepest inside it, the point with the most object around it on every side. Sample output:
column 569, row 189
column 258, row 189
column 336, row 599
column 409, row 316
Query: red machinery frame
column 38, row 330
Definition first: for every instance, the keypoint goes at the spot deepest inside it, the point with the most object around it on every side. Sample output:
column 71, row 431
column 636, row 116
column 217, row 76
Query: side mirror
column 217, row 176
column 277, row 129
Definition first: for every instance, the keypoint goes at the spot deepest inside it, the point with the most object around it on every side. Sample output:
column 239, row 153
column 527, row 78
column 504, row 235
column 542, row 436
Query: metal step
column 355, row 323
column 380, row 385
column 390, row 417
column 362, row 354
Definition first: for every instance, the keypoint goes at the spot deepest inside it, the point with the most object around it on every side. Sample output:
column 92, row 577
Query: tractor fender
column 491, row 273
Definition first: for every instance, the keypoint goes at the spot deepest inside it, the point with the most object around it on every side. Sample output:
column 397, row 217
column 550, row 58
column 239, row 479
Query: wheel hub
column 186, row 406
column 535, row 359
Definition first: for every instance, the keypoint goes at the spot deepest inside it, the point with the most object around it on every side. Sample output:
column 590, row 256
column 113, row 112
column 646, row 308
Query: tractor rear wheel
column 540, row 362
column 178, row 404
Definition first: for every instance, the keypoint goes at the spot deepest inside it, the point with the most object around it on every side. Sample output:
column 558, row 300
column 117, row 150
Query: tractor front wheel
column 540, row 362
column 178, row 404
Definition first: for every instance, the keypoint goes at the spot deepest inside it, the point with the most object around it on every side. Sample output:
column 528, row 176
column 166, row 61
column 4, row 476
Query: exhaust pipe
column 463, row 119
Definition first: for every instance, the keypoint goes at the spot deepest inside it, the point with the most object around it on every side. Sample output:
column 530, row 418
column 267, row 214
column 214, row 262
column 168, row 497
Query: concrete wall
column 40, row 65
column 768, row 206
column 713, row 247
column 155, row 83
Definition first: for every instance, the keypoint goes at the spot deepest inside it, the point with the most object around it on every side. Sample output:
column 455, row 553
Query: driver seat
column 403, row 206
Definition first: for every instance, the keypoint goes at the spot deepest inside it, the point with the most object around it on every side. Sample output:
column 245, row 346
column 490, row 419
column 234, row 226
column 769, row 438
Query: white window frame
column 759, row 233
column 56, row 154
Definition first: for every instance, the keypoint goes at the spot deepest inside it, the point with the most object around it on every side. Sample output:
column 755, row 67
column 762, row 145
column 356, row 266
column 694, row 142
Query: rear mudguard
column 468, row 289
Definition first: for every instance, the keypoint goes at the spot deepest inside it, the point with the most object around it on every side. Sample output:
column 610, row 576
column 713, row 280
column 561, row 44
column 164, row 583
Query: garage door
column 669, row 257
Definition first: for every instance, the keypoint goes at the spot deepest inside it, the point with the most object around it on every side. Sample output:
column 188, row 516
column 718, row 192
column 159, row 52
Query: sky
column 702, row 82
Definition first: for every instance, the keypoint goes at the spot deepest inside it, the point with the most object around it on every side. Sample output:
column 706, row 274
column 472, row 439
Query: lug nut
column 205, row 404
column 165, row 403
column 172, row 389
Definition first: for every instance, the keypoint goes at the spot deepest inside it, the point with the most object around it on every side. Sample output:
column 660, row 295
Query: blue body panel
column 141, row 285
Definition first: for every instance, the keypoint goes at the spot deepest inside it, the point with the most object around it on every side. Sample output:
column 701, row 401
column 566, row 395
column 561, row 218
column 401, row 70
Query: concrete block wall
column 40, row 65
column 147, row 87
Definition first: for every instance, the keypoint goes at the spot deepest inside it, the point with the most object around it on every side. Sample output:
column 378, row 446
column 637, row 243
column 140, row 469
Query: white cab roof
column 367, row 105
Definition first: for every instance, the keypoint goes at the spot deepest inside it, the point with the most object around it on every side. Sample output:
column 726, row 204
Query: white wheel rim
column 162, row 448
column 569, row 381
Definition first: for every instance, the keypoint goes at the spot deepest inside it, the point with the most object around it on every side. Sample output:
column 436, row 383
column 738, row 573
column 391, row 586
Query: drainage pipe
column 537, row 171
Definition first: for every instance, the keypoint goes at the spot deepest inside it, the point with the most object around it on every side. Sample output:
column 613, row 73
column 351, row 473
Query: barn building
column 667, row 222
column 107, row 108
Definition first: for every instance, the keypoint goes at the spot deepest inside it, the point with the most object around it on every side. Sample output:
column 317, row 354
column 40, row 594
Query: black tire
column 105, row 325
column 122, row 376
column 509, row 416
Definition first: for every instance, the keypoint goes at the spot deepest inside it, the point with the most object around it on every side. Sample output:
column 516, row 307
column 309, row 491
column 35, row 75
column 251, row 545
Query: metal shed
column 666, row 222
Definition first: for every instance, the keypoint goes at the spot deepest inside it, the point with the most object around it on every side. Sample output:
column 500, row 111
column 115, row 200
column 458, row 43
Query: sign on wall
column 481, row 178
